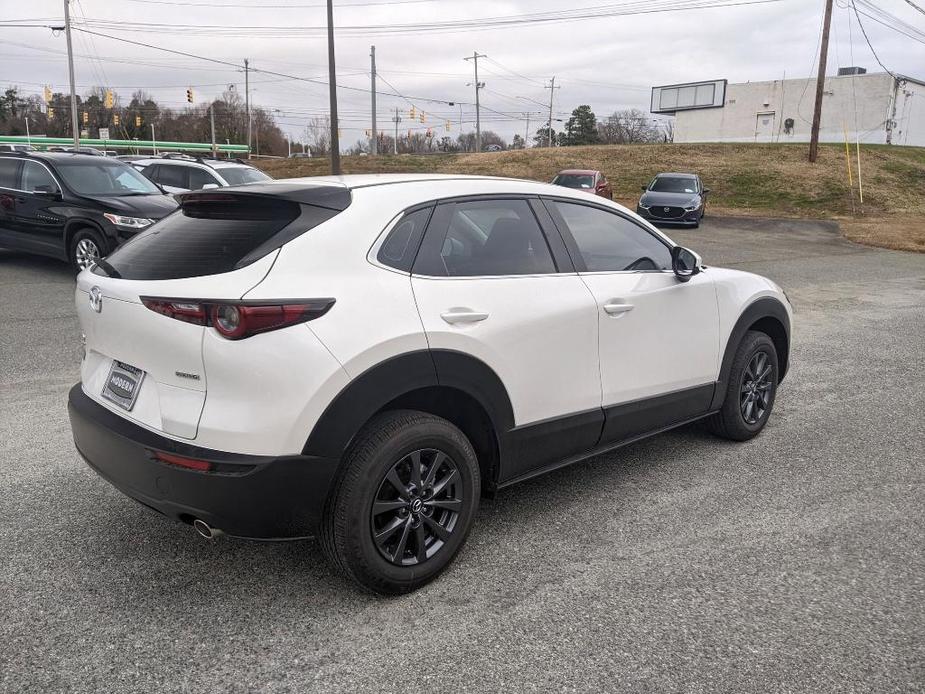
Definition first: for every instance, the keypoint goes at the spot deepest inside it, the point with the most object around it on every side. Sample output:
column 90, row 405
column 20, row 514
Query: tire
column 389, row 445
column 84, row 243
column 735, row 420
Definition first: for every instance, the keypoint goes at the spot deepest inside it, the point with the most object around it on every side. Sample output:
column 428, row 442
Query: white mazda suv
column 361, row 358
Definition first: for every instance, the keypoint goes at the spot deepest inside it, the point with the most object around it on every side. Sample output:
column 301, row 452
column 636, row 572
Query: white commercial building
column 874, row 108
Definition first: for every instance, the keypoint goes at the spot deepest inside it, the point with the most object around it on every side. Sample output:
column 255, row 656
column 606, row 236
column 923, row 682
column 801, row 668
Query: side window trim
column 438, row 226
column 21, row 170
column 572, row 246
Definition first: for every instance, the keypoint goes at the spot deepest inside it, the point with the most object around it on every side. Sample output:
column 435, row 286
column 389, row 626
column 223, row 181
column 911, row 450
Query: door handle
column 615, row 309
column 454, row 316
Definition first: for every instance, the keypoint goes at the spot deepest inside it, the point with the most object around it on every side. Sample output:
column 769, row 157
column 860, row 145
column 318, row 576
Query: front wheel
column 750, row 391
column 403, row 503
column 86, row 248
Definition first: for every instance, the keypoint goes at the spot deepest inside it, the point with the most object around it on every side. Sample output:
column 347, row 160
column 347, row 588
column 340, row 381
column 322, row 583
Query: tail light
column 235, row 320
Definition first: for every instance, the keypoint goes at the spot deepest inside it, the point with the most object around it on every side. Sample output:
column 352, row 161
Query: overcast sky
column 607, row 62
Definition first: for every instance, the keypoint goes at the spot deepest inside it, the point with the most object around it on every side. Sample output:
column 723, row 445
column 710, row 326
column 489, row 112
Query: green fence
column 44, row 142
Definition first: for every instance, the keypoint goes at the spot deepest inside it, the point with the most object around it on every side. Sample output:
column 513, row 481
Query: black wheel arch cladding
column 424, row 371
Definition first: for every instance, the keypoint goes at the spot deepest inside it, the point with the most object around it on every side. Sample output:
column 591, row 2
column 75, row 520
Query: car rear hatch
column 148, row 366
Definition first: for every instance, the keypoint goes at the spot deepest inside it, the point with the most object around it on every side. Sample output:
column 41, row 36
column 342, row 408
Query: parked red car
column 585, row 179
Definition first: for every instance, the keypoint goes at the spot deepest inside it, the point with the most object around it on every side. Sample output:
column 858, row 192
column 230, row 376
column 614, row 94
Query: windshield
column 674, row 184
column 105, row 178
column 245, row 174
column 574, row 180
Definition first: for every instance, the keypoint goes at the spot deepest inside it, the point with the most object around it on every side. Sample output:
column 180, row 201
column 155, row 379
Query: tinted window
column 174, row 176
column 102, row 176
column 237, row 175
column 401, row 245
column 211, row 236
column 35, row 177
column 489, row 237
column 8, row 168
column 198, row 178
column 674, row 184
column 609, row 242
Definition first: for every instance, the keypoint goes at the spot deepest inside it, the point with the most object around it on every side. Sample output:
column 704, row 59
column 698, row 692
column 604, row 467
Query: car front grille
column 666, row 212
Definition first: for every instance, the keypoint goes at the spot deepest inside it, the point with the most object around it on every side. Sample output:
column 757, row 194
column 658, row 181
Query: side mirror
column 645, row 188
column 210, row 186
column 48, row 192
column 685, row 263
column 706, row 190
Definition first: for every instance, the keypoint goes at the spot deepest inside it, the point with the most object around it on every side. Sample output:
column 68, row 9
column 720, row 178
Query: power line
column 449, row 26
column 262, row 6
column 869, row 45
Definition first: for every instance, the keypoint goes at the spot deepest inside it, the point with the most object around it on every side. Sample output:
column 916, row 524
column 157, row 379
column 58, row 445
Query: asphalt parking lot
column 793, row 562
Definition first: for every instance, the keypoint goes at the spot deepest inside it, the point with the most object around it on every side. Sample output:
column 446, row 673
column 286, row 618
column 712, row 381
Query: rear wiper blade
column 108, row 269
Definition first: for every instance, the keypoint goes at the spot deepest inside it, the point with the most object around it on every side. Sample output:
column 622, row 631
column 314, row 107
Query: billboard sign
column 684, row 97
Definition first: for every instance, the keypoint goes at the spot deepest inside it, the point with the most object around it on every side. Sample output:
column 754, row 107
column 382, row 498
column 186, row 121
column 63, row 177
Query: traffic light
column 51, row 113
column 413, row 113
column 86, row 118
column 447, row 126
column 368, row 132
column 46, row 92
column 430, row 133
column 137, row 121
column 109, row 100
column 189, row 95
column 422, row 117
column 115, row 119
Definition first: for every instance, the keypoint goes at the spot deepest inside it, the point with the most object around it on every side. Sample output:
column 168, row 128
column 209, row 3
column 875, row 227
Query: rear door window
column 173, row 176
column 486, row 238
column 199, row 178
column 9, row 168
column 211, row 236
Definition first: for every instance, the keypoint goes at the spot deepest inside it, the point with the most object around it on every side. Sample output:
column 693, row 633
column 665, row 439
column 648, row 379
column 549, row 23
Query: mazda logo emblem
column 667, row 209
column 96, row 299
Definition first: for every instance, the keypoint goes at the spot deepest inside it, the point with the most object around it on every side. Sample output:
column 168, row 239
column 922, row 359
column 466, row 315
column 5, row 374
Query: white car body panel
column 666, row 341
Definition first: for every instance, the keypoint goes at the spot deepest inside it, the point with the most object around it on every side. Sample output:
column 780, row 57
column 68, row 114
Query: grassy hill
column 751, row 179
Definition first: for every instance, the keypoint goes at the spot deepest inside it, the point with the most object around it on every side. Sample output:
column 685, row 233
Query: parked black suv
column 76, row 207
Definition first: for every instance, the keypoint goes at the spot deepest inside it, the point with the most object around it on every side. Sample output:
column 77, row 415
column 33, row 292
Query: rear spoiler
column 329, row 196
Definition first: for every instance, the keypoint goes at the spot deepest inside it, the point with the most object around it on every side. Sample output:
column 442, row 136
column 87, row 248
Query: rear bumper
column 259, row 497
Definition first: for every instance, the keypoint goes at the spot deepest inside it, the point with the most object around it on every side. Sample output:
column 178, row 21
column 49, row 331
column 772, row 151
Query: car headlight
column 692, row 205
column 644, row 205
column 128, row 222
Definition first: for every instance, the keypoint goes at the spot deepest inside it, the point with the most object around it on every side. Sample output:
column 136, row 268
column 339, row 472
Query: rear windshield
column 211, row 236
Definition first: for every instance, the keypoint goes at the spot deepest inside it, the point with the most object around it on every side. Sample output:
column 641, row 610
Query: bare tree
column 629, row 126
column 318, row 136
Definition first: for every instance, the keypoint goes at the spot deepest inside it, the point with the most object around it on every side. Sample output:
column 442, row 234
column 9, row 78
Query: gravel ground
column 793, row 562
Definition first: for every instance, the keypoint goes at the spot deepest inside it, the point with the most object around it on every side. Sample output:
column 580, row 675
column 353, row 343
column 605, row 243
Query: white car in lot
column 181, row 174
column 361, row 358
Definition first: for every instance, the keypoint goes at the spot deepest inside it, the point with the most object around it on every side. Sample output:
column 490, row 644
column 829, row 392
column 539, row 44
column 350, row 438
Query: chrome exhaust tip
column 206, row 530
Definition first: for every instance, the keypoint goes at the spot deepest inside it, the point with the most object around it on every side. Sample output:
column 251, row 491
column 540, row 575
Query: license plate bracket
column 123, row 384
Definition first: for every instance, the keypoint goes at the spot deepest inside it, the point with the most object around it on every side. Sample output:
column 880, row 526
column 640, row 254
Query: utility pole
column 332, row 85
column 70, row 68
column 552, row 91
column 153, row 140
column 478, row 85
column 247, row 103
column 396, row 119
column 374, row 140
column 212, row 120
column 820, row 82
column 526, row 128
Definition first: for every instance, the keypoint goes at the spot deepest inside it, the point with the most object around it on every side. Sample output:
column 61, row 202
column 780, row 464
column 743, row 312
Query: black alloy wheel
column 755, row 390
column 416, row 507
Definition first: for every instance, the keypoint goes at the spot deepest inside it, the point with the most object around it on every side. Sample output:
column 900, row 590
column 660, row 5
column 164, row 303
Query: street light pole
column 70, row 68
column 332, row 85
column 374, row 140
column 247, row 103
